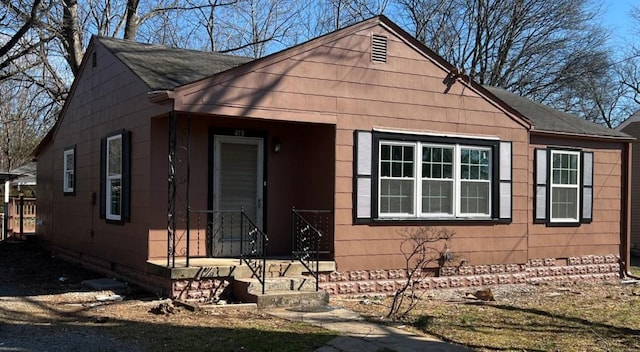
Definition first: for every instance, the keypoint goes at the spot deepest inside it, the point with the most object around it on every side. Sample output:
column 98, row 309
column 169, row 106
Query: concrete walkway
column 359, row 335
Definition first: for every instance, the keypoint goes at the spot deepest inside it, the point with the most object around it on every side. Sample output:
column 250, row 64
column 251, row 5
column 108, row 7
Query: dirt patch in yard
column 44, row 307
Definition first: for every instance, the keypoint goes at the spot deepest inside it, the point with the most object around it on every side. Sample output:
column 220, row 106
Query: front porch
column 286, row 282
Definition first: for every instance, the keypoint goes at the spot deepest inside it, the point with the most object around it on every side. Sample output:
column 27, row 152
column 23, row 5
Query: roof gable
column 635, row 117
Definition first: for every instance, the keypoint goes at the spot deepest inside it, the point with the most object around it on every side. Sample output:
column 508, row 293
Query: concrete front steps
column 289, row 291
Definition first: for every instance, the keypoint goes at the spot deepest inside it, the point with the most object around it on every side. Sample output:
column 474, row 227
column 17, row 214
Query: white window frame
column 418, row 178
column 575, row 186
column 414, row 178
column 69, row 174
column 111, row 178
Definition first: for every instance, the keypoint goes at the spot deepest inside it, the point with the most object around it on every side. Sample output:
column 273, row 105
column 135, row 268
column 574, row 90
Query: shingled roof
column 162, row 67
column 547, row 119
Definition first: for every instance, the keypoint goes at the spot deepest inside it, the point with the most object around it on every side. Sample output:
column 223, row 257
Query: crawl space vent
column 378, row 48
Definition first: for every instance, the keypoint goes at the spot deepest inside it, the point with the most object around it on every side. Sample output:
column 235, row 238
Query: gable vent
column 378, row 48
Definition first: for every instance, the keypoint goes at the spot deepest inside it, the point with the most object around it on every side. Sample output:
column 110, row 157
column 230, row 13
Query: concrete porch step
column 289, row 283
column 228, row 267
column 288, row 299
column 295, row 291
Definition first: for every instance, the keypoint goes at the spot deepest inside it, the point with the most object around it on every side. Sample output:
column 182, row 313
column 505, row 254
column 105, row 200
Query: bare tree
column 421, row 248
column 535, row 48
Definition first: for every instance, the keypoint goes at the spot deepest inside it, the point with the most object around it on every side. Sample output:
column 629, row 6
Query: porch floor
column 226, row 267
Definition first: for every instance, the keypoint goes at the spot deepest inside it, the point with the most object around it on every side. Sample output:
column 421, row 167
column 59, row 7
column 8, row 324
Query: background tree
column 551, row 51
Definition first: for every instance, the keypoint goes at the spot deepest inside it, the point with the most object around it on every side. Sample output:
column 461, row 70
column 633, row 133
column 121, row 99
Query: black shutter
column 103, row 178
column 362, row 176
column 587, row 187
column 126, row 176
column 540, row 177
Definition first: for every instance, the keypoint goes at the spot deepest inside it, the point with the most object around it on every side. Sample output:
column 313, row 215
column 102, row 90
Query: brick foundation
column 587, row 268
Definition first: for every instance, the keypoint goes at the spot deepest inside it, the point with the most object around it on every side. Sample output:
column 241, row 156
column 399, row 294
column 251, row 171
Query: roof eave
column 161, row 96
column 583, row 136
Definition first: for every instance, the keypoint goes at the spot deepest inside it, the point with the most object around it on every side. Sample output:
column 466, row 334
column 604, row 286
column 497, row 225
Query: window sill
column 437, row 221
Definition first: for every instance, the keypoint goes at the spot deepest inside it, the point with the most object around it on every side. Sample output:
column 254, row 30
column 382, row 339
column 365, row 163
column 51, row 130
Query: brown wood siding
column 104, row 99
column 602, row 235
column 633, row 129
column 337, row 83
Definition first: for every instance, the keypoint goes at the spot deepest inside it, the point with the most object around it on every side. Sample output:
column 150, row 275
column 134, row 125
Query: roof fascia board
column 581, row 136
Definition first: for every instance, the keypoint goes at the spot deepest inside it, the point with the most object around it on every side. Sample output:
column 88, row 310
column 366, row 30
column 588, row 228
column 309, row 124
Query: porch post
column 5, row 231
column 171, row 203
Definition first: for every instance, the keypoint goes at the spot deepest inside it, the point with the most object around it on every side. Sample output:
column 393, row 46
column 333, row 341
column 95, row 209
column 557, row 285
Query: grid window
column 454, row 180
column 565, row 183
column 397, row 180
column 114, row 178
column 69, row 171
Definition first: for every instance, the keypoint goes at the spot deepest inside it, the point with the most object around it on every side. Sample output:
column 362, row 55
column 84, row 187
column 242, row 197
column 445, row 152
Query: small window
column 115, row 177
column 69, row 161
column 564, row 186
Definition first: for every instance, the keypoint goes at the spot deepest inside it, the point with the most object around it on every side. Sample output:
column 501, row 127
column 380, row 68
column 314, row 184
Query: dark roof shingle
column 548, row 119
column 162, row 67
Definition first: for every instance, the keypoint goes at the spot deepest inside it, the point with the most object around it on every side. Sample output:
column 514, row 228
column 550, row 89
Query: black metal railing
column 253, row 244
column 310, row 229
column 232, row 234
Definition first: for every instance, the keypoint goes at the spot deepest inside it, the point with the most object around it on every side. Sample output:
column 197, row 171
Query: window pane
column 565, row 168
column 564, row 203
column 385, row 153
column 426, row 170
column 407, row 153
column 447, row 171
column 115, row 156
column 438, row 163
column 426, row 154
column 408, row 170
column 447, row 155
column 385, row 169
column 464, row 156
column 115, row 196
column 396, row 152
column 437, row 197
column 437, row 171
column 484, row 173
column 573, row 164
column 474, row 197
column 573, row 177
column 396, row 196
column 396, row 170
column 437, row 154
column 69, row 161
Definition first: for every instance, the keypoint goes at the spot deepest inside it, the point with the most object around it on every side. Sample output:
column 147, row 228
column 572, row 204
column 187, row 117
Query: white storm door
column 237, row 184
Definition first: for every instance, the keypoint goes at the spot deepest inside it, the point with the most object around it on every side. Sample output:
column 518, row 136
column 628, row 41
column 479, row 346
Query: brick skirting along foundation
column 537, row 271
column 588, row 268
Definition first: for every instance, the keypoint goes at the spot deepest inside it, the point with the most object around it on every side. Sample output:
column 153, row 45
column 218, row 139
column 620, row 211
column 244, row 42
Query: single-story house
column 164, row 160
column 631, row 126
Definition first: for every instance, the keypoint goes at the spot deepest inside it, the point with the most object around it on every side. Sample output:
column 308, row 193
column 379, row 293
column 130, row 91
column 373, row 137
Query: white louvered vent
column 378, row 48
